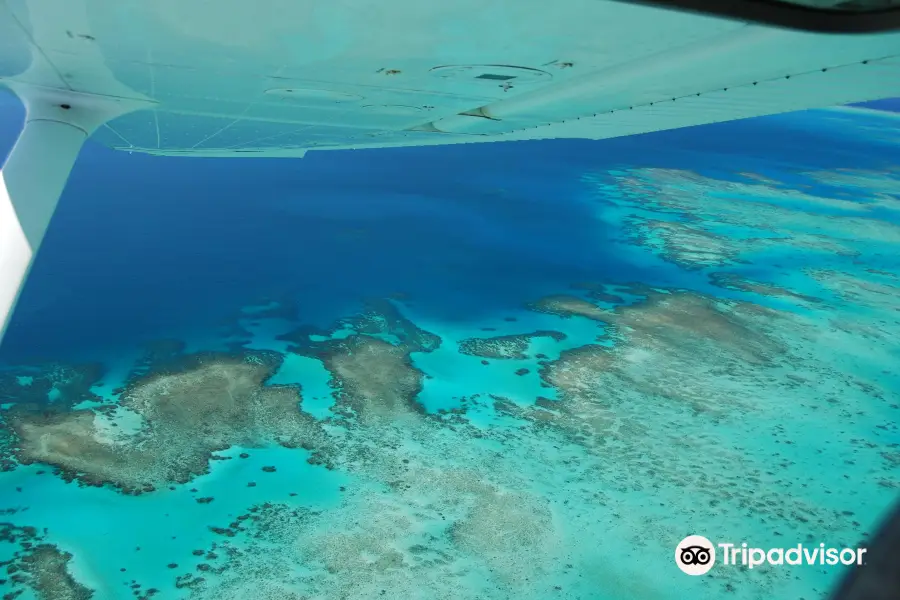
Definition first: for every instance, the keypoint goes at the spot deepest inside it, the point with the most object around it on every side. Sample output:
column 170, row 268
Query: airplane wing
column 282, row 77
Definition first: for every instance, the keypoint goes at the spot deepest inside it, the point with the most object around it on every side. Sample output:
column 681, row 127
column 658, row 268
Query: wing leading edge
column 279, row 77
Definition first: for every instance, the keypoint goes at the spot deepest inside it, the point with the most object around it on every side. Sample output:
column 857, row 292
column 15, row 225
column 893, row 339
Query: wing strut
column 35, row 174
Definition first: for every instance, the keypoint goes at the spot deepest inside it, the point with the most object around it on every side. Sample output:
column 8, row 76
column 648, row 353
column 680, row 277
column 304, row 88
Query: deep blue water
column 143, row 246
column 888, row 104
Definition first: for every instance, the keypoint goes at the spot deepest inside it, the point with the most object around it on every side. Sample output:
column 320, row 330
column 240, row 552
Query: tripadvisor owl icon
column 695, row 555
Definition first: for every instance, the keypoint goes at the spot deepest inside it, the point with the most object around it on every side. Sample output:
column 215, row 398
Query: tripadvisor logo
column 696, row 555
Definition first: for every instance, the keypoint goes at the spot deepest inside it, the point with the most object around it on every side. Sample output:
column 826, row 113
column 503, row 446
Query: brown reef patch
column 668, row 346
column 374, row 377
column 508, row 347
column 735, row 282
column 569, row 306
column 40, row 566
column 183, row 416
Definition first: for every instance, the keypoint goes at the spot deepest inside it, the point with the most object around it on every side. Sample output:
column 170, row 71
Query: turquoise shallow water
column 386, row 379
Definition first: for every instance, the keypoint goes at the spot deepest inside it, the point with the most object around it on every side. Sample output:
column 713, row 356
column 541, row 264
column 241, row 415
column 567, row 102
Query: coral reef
column 679, row 396
column 871, row 292
column 736, row 282
column 568, row 306
column 40, row 566
column 867, row 189
column 505, row 346
column 62, row 384
column 670, row 333
column 689, row 395
column 381, row 317
column 373, row 378
column 683, row 322
column 691, row 210
column 210, row 403
column 598, row 291
column 438, row 522
column 50, row 578
column 71, row 441
column 689, row 246
column 502, row 525
column 371, row 369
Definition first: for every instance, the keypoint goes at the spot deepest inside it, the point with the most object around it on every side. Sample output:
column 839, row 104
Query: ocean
column 518, row 370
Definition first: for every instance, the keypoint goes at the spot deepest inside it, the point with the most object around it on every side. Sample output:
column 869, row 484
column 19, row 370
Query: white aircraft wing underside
column 279, row 77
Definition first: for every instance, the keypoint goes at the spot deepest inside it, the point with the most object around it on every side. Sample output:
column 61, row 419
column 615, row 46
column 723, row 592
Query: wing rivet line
column 823, row 70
